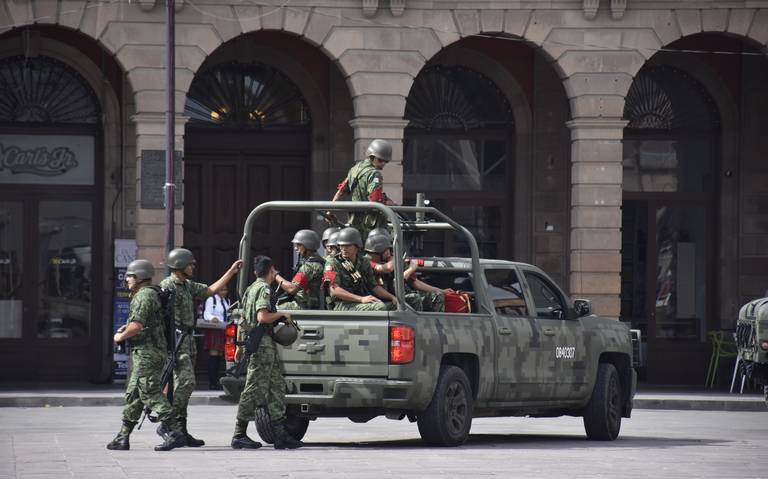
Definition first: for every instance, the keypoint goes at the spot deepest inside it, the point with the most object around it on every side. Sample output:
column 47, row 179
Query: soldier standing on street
column 305, row 285
column 145, row 329
column 182, row 264
column 264, row 383
column 422, row 296
column 352, row 283
column 364, row 183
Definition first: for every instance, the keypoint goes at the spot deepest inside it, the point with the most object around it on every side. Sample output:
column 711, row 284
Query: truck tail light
column 229, row 344
column 401, row 344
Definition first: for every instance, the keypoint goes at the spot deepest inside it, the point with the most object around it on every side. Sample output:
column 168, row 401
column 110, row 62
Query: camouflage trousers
column 431, row 301
column 377, row 306
column 144, row 389
column 365, row 222
column 299, row 305
column 184, row 376
column 264, row 384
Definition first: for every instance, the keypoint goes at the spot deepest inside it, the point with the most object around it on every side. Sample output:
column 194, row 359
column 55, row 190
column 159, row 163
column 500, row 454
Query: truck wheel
column 295, row 426
column 447, row 419
column 602, row 416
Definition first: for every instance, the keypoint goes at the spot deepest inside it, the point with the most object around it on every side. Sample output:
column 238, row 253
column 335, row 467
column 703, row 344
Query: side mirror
column 583, row 307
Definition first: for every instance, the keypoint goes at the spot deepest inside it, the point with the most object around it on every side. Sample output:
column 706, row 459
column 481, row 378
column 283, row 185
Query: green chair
column 721, row 348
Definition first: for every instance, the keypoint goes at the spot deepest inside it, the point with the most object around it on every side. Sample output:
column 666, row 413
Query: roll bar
column 398, row 223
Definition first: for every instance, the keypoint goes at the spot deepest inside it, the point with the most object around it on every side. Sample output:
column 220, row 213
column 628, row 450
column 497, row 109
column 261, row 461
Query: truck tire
column 295, row 426
column 448, row 418
column 602, row 416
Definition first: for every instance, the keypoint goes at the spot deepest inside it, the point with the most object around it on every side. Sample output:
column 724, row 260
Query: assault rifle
column 253, row 339
column 173, row 339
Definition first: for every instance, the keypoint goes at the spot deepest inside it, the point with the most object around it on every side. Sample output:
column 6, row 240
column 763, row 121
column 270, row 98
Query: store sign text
column 37, row 161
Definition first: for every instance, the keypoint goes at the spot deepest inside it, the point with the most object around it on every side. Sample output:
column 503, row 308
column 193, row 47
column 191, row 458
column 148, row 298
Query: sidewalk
column 647, row 397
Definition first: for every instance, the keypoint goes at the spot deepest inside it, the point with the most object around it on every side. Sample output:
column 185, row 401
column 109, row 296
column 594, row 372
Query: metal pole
column 170, row 124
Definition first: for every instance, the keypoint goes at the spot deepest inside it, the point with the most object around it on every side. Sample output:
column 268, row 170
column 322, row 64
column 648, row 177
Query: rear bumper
column 317, row 395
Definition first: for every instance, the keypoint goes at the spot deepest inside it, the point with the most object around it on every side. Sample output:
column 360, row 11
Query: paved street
column 69, row 442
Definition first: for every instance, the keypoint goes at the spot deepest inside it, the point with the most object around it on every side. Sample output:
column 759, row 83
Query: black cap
column 261, row 265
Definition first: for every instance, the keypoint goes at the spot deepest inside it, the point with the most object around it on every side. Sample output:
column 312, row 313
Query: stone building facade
column 618, row 144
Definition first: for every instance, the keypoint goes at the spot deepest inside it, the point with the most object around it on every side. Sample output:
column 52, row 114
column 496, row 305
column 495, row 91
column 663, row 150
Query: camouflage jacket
column 145, row 309
column 364, row 183
column 187, row 292
column 357, row 278
column 256, row 297
column 308, row 279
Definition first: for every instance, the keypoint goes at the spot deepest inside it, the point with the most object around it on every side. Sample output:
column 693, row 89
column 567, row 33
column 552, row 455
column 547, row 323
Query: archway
column 260, row 129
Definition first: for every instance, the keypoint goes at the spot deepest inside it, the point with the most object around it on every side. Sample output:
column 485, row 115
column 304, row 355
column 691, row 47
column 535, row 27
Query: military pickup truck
column 524, row 349
column 752, row 343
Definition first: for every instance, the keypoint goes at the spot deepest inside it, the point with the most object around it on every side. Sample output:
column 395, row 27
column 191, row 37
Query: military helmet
column 308, row 238
column 180, row 258
column 380, row 232
column 285, row 334
column 350, row 236
column 333, row 239
column 329, row 231
column 381, row 149
column 141, row 269
column 378, row 243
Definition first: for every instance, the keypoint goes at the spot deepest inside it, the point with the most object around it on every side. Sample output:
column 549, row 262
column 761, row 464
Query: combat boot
column 283, row 440
column 240, row 439
column 171, row 439
column 191, row 441
column 122, row 442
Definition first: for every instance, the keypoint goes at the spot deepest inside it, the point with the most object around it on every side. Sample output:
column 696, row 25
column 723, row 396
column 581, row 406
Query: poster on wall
column 47, row 159
column 125, row 252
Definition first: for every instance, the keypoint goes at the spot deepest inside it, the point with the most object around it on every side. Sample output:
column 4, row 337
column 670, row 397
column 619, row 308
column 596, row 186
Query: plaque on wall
column 153, row 179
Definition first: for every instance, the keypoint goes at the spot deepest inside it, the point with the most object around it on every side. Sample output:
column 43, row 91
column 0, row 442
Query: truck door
column 523, row 368
column 564, row 348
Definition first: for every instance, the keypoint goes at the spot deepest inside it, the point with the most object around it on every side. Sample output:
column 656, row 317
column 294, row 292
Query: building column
column 392, row 130
column 150, row 218
column 596, row 191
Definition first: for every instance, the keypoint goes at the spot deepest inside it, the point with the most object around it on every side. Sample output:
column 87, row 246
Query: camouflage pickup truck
column 523, row 349
column 752, row 343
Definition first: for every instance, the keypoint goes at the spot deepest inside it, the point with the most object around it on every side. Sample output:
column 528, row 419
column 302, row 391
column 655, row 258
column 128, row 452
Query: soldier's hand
column 370, row 299
column 236, row 266
column 239, row 353
column 331, row 218
column 287, row 318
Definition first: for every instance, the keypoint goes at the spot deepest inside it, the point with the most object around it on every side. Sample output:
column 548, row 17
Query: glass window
column 65, row 269
column 506, row 292
column 547, row 301
column 11, row 268
column 668, row 166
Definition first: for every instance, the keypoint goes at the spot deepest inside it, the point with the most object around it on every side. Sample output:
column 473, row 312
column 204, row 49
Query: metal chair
column 721, row 348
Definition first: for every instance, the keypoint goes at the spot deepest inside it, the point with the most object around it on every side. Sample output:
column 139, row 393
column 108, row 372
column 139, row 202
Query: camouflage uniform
column 264, row 383
column 433, row 301
column 364, row 183
column 336, row 274
column 308, row 279
column 187, row 292
column 148, row 355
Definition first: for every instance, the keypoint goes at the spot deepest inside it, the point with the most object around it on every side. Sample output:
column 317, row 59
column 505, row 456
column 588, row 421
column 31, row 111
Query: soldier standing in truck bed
column 364, row 183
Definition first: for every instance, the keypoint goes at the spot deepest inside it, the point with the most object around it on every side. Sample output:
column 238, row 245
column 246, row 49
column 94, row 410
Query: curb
column 681, row 404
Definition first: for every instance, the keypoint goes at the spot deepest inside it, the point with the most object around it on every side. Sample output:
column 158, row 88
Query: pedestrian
column 351, row 280
column 214, row 321
column 304, row 287
column 182, row 263
column 364, row 183
column 146, row 331
column 264, row 382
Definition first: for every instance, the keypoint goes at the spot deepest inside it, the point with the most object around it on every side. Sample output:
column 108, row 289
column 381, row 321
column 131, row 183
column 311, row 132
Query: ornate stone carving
column 370, row 7
column 617, row 9
column 397, row 7
column 149, row 5
column 590, row 8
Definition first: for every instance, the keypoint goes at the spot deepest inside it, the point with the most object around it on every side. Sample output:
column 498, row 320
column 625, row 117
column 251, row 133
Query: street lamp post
column 170, row 124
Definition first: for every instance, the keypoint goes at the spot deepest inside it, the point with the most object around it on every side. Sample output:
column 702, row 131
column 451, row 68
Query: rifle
column 253, row 339
column 332, row 219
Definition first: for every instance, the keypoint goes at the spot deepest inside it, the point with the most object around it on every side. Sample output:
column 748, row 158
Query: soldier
column 305, row 285
column 352, row 283
column 145, row 329
column 182, row 264
column 264, row 383
column 332, row 246
column 364, row 183
column 327, row 234
column 420, row 295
